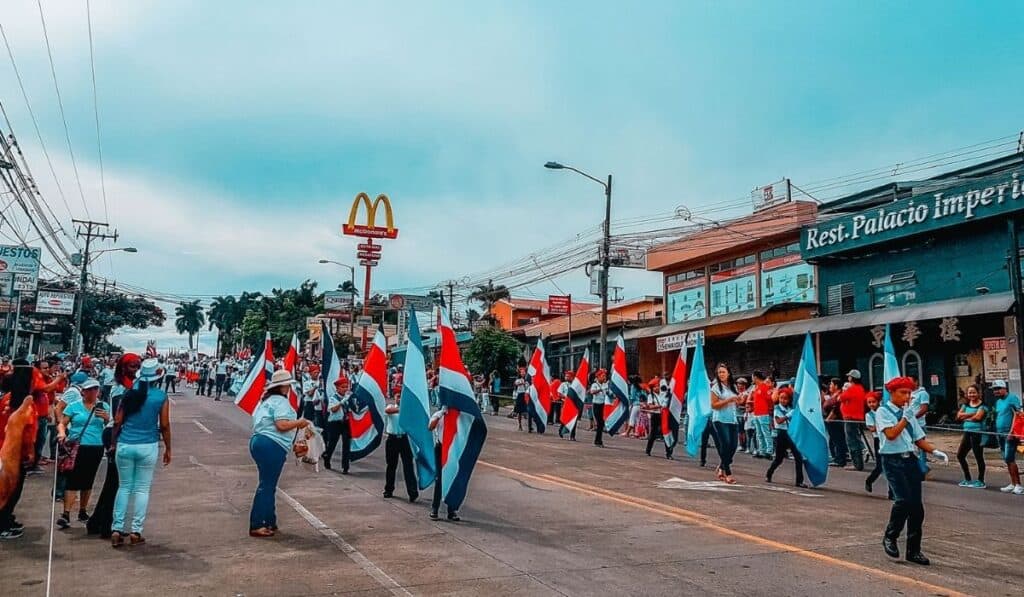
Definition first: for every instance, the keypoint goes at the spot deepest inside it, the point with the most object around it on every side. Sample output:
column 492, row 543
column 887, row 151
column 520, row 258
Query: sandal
column 261, row 532
column 720, row 474
column 730, row 480
column 116, row 539
column 136, row 539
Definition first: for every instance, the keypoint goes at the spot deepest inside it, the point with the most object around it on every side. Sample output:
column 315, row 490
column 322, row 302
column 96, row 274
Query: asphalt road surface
column 543, row 517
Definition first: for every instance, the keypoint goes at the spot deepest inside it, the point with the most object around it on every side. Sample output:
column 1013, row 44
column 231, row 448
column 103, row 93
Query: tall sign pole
column 368, row 252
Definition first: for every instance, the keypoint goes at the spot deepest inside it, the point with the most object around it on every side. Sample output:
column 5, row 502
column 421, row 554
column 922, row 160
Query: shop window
column 911, row 366
column 642, row 314
column 840, row 298
column 876, row 371
column 895, row 290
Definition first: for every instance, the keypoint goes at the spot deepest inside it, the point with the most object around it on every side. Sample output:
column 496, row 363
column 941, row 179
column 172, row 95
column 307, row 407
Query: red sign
column 369, row 247
column 367, row 255
column 369, row 262
column 559, row 305
column 397, row 302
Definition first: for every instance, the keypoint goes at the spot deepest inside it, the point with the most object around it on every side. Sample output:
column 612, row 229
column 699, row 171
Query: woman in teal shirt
column 274, row 428
column 83, row 422
column 972, row 414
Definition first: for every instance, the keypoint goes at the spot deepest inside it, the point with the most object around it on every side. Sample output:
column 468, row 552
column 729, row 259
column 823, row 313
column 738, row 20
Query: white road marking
column 721, row 486
column 201, row 426
column 173, row 403
column 362, row 561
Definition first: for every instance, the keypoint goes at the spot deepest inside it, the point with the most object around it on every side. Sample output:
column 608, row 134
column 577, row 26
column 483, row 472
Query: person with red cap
column 783, row 412
column 338, row 406
column 598, row 393
column 898, row 434
column 563, row 394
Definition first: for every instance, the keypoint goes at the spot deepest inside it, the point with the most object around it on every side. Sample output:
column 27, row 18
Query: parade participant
column 83, row 422
column 1007, row 407
column 103, row 516
column 662, row 398
column 563, row 393
column 762, row 399
column 338, row 407
column 783, row 413
column 743, row 390
column 519, row 387
column 202, row 379
column 598, row 396
column 312, row 397
column 723, row 417
column 833, row 424
column 141, row 420
column 397, row 446
column 898, row 434
column 972, row 414
column 17, row 451
column 873, row 399
column 851, row 408
column 556, row 401
column 274, row 427
column 495, row 387
column 171, row 378
column 220, row 376
column 436, row 425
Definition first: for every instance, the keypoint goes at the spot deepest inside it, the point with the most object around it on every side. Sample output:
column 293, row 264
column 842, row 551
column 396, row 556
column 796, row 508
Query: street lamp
column 352, row 290
column 85, row 260
column 605, row 251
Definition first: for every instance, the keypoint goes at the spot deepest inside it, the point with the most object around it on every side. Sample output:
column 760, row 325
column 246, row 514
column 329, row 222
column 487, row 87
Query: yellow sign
column 370, row 229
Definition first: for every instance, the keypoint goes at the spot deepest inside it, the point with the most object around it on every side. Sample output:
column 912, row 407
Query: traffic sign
column 364, row 320
column 368, row 247
column 368, row 262
column 397, row 302
column 367, row 255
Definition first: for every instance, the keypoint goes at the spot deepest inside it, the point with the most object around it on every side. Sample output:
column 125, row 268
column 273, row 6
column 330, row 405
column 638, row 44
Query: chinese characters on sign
column 949, row 329
column 878, row 333
column 911, row 332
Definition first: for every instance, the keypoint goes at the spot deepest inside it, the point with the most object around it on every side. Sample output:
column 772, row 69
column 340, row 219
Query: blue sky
column 235, row 134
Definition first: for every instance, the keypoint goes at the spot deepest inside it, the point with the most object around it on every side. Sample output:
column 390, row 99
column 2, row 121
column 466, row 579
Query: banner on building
column 734, row 290
column 787, row 279
column 56, row 303
column 994, row 352
column 686, row 300
column 677, row 341
column 559, row 304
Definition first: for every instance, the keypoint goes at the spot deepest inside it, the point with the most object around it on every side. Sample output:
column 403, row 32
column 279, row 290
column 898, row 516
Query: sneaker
column 63, row 522
column 34, row 471
column 965, row 483
column 83, row 516
column 1018, row 490
column 978, row 485
column 1009, row 488
column 11, row 534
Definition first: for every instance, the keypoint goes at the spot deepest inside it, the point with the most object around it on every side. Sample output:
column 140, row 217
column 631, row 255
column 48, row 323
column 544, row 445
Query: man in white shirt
column 338, row 406
column 312, row 398
column 598, row 393
column 221, row 375
column 436, row 425
column 397, row 446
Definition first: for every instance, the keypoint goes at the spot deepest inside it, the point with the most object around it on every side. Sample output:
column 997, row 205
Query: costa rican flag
column 616, row 406
column 291, row 362
column 330, row 366
column 572, row 406
column 414, row 408
column 540, row 387
column 367, row 419
column 256, row 378
column 462, row 428
column 672, row 416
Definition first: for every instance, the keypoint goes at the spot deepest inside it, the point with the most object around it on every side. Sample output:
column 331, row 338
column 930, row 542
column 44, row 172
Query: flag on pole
column 672, row 416
column 256, row 378
column 463, row 431
column 616, row 406
column 572, row 406
column 330, row 366
column 414, row 408
column 890, row 365
column 698, row 401
column 807, row 426
column 366, row 420
column 291, row 365
column 540, row 387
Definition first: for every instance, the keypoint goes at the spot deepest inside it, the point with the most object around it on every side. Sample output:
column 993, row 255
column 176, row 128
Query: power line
column 96, row 110
column 60, row 104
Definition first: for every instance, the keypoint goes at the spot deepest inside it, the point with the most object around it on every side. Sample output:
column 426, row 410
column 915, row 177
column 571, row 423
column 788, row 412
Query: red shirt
column 555, row 395
column 852, row 402
column 763, row 400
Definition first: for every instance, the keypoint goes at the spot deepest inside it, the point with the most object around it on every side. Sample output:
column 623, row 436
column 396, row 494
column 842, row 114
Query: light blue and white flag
column 890, row 366
column 807, row 426
column 414, row 409
column 698, row 401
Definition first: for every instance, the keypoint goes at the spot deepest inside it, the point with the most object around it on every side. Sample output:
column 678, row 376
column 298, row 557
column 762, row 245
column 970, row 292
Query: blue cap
column 79, row 378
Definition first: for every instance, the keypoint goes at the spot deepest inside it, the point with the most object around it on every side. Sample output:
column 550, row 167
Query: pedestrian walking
column 141, row 421
column 972, row 414
column 397, row 446
column 783, row 444
column 1008, row 406
column 220, row 376
column 762, row 406
column 82, row 426
column 274, row 428
column 723, row 416
column 833, row 421
column 851, row 408
column 898, row 434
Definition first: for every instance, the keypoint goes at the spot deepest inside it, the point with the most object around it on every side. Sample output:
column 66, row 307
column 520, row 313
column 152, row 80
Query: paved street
column 544, row 517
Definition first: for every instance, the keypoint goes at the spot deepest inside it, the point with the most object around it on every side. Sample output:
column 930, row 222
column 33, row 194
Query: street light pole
column 606, row 246
column 352, row 292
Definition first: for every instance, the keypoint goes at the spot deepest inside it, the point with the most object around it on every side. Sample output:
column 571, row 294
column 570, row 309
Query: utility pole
column 89, row 230
column 605, row 266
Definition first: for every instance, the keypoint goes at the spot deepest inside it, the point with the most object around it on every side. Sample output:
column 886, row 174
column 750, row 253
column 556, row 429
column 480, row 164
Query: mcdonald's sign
column 370, row 228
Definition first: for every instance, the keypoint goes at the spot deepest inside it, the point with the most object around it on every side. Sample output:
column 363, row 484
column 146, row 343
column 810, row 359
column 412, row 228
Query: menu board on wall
column 687, row 301
column 734, row 290
column 994, row 352
column 787, row 279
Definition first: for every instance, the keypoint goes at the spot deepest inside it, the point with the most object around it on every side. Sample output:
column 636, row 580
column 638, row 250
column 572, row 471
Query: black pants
column 201, row 387
column 656, row 434
column 435, row 504
column 726, row 439
column 904, row 476
column 338, row 430
column 598, row 410
column 873, row 476
column 495, row 404
column 972, row 442
column 556, row 413
column 395, row 447
column 7, row 512
column 837, row 442
column 220, row 383
column 707, row 435
column 782, row 444
column 170, row 383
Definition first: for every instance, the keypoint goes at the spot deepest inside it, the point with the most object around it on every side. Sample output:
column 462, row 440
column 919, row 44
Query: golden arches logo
column 370, row 229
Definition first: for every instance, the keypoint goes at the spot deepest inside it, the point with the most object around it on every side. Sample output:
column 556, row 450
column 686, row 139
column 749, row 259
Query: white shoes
column 1014, row 489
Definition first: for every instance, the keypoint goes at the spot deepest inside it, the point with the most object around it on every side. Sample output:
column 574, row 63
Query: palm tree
column 348, row 287
column 222, row 314
column 189, row 320
column 488, row 294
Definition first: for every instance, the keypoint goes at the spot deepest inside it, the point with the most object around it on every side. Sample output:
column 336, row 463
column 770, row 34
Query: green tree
column 348, row 287
column 492, row 349
column 189, row 320
column 488, row 294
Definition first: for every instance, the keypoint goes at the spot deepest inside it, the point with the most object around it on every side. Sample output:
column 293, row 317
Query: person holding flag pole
column 414, row 408
column 575, row 394
column 673, row 403
column 539, row 390
column 698, row 401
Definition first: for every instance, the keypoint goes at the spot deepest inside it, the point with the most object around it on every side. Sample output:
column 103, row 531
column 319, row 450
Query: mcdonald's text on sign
column 370, row 229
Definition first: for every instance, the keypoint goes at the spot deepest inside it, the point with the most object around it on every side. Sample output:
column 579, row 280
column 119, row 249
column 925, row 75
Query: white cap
column 999, row 385
column 854, row 373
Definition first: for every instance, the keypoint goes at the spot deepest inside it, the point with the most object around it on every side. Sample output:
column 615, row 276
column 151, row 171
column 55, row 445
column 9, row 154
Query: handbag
column 67, row 450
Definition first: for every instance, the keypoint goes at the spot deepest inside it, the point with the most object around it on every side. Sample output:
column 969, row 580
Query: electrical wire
column 96, row 112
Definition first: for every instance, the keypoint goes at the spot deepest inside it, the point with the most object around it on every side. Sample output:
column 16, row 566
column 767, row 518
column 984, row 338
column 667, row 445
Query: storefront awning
column 974, row 305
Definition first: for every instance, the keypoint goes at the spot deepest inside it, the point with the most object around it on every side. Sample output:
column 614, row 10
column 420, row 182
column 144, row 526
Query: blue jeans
column 135, row 465
column 726, row 438
column 269, row 458
column 762, row 425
